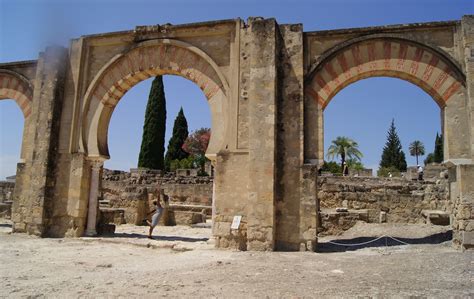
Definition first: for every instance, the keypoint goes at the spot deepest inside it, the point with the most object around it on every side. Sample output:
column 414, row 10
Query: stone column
column 213, row 203
column 262, row 135
column 313, row 131
column 93, row 205
column 461, row 173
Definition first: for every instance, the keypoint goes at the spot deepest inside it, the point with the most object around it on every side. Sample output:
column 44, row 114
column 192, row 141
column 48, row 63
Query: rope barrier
column 368, row 242
column 400, row 241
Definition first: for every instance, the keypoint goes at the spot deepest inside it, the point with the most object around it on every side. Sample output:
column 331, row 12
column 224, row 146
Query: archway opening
column 128, row 192
column 11, row 138
column 398, row 195
column 124, row 71
column 363, row 111
column 370, row 200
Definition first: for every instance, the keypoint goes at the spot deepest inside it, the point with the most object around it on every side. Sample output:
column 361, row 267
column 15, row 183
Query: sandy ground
column 181, row 262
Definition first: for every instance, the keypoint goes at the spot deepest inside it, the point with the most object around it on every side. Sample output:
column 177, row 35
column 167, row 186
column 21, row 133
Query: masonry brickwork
column 189, row 198
column 267, row 86
column 375, row 200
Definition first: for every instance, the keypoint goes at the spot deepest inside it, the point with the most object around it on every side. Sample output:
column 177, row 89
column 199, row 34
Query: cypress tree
column 154, row 128
column 438, row 155
column 175, row 146
column 392, row 155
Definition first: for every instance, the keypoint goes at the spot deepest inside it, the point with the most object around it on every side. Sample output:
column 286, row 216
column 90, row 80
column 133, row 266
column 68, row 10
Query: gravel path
column 181, row 262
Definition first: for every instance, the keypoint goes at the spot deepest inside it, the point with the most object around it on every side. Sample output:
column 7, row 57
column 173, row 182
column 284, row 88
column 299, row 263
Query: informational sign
column 236, row 222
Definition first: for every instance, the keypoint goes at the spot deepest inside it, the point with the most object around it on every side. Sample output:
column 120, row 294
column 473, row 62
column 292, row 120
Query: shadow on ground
column 5, row 225
column 157, row 238
column 343, row 245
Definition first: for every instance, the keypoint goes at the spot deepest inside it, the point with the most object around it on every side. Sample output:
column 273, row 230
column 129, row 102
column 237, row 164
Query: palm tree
column 417, row 149
column 345, row 148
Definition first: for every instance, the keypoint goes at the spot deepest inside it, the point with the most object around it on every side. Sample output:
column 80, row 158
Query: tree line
column 393, row 160
column 188, row 150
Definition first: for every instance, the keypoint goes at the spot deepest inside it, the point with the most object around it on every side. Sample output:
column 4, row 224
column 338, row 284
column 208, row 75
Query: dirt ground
column 181, row 262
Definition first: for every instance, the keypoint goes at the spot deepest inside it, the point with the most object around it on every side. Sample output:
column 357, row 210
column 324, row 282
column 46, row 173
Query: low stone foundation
column 6, row 197
column 132, row 194
column 374, row 200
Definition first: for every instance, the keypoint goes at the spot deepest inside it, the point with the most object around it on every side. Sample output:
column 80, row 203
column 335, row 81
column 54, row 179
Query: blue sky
column 27, row 27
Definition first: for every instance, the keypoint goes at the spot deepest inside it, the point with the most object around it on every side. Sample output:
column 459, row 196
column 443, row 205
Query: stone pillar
column 461, row 179
column 93, row 206
column 461, row 173
column 213, row 203
column 33, row 208
column 262, row 134
column 293, row 211
column 467, row 23
column 314, row 131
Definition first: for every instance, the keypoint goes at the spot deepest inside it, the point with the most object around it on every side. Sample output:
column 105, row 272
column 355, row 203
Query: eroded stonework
column 267, row 86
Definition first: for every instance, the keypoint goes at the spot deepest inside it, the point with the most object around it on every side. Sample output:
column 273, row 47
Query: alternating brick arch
column 384, row 56
column 149, row 59
column 15, row 86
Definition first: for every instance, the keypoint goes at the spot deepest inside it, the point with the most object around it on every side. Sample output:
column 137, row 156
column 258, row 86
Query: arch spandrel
column 15, row 86
column 149, row 59
column 421, row 65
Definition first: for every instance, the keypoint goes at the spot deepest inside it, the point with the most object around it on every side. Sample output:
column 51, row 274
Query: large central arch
column 147, row 59
column 121, row 73
column 388, row 56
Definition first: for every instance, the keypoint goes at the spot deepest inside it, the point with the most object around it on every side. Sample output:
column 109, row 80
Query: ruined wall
column 180, row 189
column 398, row 200
column 270, row 140
column 461, row 187
column 6, row 196
column 133, row 192
column 6, row 191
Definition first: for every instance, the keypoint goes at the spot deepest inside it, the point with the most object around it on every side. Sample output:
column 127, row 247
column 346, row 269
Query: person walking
column 345, row 170
column 419, row 170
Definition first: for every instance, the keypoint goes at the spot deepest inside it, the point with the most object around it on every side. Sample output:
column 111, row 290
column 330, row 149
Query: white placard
column 236, row 222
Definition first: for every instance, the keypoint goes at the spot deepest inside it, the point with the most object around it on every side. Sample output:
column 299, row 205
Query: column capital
column 96, row 161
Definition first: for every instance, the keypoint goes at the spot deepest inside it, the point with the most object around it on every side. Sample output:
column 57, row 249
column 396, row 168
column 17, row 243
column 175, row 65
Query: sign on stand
column 236, row 222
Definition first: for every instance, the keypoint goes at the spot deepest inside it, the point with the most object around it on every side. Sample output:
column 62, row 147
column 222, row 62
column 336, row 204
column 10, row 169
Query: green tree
column 331, row 167
column 392, row 154
column 175, row 146
column 429, row 159
column 387, row 171
column 354, row 164
column 196, row 145
column 345, row 148
column 417, row 149
column 153, row 140
column 438, row 155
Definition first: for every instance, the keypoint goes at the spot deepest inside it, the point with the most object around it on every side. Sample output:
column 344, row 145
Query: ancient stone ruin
column 126, row 197
column 267, row 86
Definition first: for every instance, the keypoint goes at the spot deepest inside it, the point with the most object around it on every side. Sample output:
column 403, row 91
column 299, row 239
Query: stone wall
column 462, row 193
column 374, row 200
column 6, row 196
column 134, row 192
column 6, row 191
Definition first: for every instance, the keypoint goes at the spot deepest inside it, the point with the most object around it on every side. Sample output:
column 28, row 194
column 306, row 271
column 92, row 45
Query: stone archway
column 16, row 87
column 159, row 57
column 147, row 59
column 388, row 56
